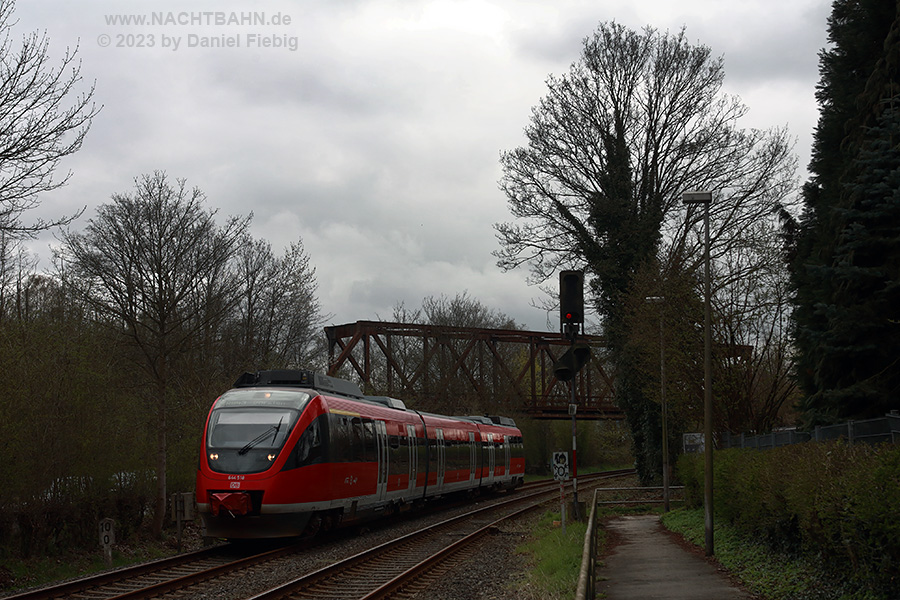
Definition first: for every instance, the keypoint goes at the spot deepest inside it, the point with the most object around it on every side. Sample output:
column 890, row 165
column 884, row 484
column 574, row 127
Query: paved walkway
column 648, row 565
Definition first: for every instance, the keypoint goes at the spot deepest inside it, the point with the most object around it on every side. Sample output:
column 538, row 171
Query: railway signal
column 572, row 361
column 571, row 317
column 571, row 300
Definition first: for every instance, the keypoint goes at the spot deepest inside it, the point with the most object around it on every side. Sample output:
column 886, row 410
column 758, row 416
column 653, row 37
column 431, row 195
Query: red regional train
column 287, row 453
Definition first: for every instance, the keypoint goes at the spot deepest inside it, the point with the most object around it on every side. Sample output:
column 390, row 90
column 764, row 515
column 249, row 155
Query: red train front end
column 262, row 471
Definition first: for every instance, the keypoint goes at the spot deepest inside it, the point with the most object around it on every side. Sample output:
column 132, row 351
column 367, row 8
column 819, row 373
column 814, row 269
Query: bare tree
column 156, row 267
column 440, row 365
column 43, row 119
column 754, row 356
column 637, row 121
column 278, row 318
column 16, row 267
column 612, row 146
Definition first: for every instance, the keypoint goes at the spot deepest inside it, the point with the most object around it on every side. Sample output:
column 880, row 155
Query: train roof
column 491, row 420
column 315, row 381
column 342, row 387
column 305, row 379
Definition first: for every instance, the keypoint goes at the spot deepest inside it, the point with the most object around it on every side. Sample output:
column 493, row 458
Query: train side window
column 432, row 445
column 369, row 440
column 358, row 435
column 398, row 454
column 449, row 457
column 341, row 440
column 402, row 454
column 310, row 448
column 393, row 453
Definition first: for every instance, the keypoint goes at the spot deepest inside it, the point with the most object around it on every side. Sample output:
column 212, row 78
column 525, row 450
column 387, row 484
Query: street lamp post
column 705, row 198
column 662, row 399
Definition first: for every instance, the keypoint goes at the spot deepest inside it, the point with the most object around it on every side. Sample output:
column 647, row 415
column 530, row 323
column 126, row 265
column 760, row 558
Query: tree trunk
column 159, row 508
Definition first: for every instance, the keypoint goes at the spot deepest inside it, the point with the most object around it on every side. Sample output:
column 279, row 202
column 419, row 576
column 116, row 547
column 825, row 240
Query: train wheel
column 330, row 521
column 313, row 526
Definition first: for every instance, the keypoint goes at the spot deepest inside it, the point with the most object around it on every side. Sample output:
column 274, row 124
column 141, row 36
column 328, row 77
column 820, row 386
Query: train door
column 506, row 469
column 439, row 434
column 413, row 456
column 473, row 447
column 382, row 447
column 489, row 445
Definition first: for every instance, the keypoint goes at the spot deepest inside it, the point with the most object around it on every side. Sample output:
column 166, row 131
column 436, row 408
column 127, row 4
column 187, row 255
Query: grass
column 556, row 557
column 770, row 574
column 18, row 574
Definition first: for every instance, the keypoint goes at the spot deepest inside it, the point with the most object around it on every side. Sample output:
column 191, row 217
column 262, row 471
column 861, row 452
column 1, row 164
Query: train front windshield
column 248, row 428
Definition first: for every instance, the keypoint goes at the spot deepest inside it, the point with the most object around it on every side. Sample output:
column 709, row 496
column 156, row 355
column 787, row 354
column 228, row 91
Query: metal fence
column 586, row 580
column 585, row 589
column 870, row 431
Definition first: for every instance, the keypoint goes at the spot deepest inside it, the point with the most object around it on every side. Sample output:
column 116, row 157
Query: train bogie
column 286, row 452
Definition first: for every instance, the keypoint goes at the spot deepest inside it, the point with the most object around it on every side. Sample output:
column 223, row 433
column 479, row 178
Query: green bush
column 836, row 502
column 66, row 517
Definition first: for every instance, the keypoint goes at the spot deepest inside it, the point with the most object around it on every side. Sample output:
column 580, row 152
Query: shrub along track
column 197, row 573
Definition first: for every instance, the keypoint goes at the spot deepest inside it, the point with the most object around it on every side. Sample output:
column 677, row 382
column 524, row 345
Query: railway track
column 151, row 579
column 400, row 568
column 179, row 575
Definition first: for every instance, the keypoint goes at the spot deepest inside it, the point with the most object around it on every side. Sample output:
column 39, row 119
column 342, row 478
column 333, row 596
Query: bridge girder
column 424, row 363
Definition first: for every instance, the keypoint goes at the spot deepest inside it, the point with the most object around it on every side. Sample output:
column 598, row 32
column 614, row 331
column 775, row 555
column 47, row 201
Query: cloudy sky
column 371, row 129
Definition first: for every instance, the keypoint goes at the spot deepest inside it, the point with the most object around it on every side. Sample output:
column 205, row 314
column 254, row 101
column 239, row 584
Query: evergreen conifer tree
column 863, row 335
column 859, row 31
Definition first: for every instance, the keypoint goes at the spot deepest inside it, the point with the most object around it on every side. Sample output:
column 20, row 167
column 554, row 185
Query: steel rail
column 308, row 582
column 191, row 579
column 83, row 584
column 396, row 584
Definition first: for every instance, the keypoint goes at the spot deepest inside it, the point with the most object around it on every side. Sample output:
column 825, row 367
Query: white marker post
column 107, row 538
column 560, row 466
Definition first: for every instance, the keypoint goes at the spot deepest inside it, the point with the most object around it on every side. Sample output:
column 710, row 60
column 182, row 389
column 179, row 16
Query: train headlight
column 213, row 456
column 271, row 457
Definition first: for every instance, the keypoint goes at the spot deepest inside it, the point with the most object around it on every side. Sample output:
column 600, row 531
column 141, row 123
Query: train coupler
column 235, row 504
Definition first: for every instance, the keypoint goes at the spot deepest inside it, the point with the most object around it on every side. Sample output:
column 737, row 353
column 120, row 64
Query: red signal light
column 571, row 297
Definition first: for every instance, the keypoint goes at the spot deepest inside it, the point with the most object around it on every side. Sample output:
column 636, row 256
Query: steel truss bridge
column 457, row 367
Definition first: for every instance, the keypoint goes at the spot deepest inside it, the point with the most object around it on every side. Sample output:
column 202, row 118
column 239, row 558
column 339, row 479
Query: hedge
column 836, row 502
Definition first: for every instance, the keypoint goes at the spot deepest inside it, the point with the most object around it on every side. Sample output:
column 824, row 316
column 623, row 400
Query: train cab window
column 246, row 427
